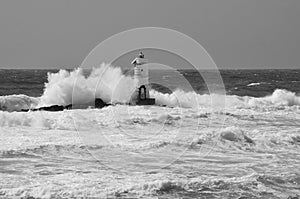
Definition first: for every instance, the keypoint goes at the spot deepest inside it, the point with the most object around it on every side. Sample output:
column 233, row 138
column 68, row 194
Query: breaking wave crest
column 106, row 82
column 112, row 86
column 279, row 97
column 249, row 186
column 17, row 102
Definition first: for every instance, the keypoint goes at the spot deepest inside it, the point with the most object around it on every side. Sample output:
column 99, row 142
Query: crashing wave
column 279, row 97
column 112, row 86
column 106, row 82
column 17, row 102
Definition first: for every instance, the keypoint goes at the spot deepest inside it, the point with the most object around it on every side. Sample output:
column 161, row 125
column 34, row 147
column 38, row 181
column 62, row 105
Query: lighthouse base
column 141, row 96
column 147, row 101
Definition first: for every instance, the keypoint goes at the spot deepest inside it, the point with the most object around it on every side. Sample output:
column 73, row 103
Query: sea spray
column 112, row 86
column 280, row 97
column 106, row 82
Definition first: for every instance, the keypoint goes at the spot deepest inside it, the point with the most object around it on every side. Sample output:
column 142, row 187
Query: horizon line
column 220, row 68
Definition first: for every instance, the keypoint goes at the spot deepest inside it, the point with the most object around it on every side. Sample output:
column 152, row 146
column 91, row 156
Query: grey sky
column 236, row 33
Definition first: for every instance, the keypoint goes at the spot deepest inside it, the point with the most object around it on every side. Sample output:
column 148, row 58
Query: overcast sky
column 236, row 33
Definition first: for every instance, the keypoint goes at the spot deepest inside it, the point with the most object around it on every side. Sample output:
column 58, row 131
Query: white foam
column 278, row 98
column 40, row 120
column 106, row 82
column 17, row 102
column 254, row 84
column 112, row 86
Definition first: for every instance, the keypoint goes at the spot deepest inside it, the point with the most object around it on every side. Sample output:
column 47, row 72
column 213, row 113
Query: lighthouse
column 141, row 95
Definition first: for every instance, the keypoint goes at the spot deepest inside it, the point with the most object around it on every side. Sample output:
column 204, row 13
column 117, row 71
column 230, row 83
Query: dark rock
column 99, row 103
column 52, row 108
column 249, row 140
column 69, row 106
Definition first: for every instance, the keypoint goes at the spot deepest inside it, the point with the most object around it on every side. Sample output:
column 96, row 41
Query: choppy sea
column 198, row 142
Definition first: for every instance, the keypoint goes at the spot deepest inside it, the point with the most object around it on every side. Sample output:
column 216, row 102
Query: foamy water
column 245, row 147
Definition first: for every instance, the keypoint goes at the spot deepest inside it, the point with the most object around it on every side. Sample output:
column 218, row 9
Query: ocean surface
column 235, row 138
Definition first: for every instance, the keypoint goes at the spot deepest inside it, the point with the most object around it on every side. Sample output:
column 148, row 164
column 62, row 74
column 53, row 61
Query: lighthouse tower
column 141, row 75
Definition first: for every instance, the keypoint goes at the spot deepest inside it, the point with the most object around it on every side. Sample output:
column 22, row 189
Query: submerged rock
column 230, row 136
column 235, row 135
column 49, row 108
column 249, row 140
